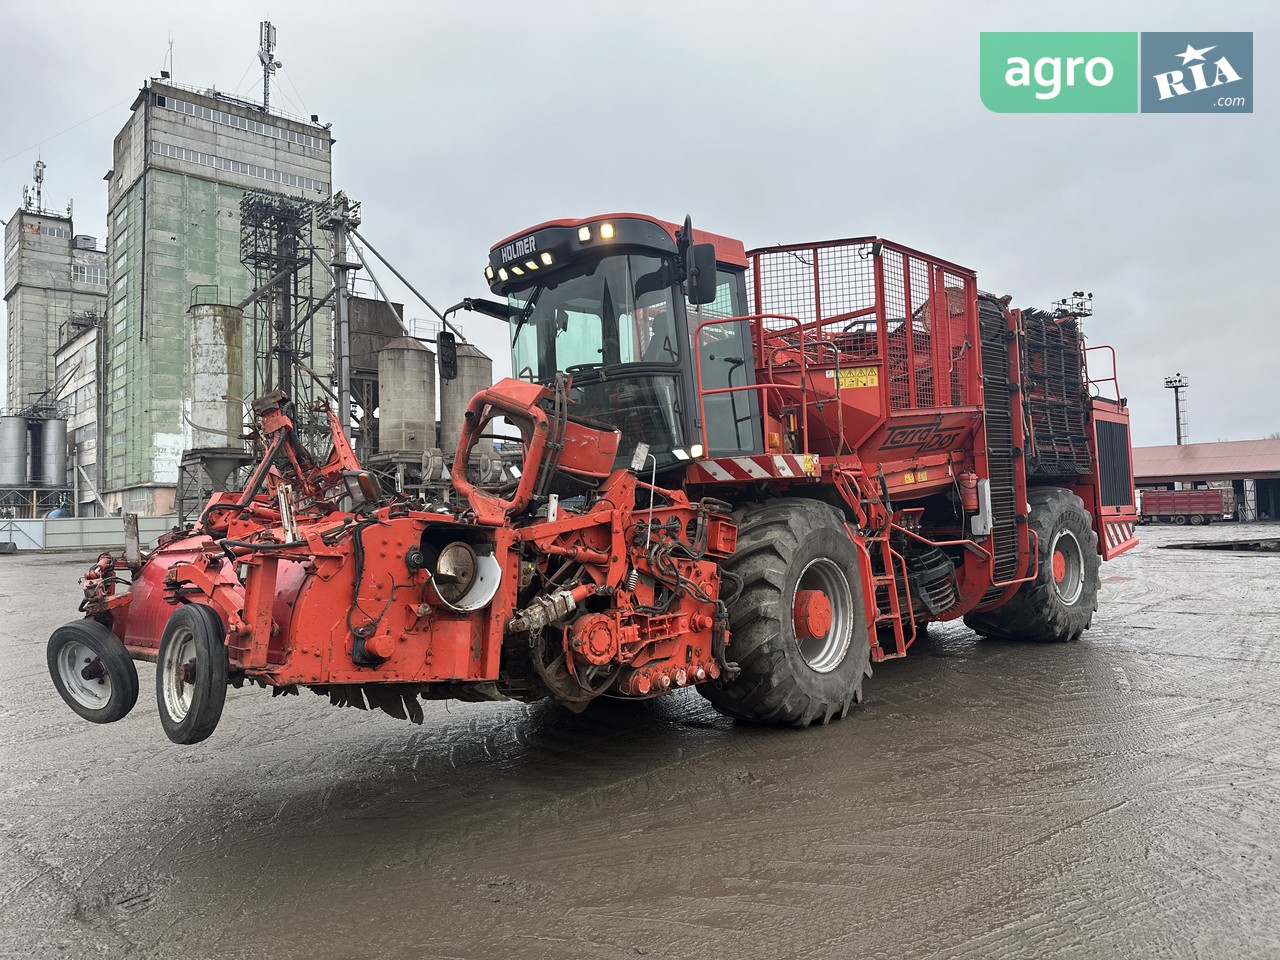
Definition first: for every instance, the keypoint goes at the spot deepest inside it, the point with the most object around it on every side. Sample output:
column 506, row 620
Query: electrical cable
column 240, row 83
column 288, row 76
column 41, row 143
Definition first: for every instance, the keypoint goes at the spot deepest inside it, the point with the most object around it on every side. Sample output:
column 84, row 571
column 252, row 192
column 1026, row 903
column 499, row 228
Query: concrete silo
column 216, row 414
column 217, row 372
column 406, row 397
column 475, row 373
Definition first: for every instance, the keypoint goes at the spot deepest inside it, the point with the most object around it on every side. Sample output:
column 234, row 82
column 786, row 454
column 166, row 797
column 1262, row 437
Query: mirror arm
column 490, row 308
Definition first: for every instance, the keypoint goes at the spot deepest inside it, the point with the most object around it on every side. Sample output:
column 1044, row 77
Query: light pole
column 1177, row 383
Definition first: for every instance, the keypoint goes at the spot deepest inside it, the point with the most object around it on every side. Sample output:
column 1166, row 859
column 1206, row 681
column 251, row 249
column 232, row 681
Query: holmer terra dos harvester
column 755, row 473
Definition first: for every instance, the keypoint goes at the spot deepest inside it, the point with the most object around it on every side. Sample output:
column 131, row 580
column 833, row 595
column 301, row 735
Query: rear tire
column 92, row 671
column 1196, row 520
column 787, row 551
column 191, row 674
column 1058, row 605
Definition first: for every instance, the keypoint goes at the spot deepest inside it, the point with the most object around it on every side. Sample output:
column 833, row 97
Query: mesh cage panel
column 924, row 317
column 921, row 322
column 958, row 347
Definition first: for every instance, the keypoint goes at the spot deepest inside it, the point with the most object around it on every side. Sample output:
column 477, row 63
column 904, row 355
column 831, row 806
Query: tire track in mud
column 991, row 800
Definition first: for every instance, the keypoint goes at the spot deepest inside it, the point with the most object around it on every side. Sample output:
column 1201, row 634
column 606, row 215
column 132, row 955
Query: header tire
column 191, row 674
column 111, row 689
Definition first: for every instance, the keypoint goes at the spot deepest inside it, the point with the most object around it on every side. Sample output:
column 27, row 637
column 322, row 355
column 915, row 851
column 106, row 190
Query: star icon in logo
column 1191, row 53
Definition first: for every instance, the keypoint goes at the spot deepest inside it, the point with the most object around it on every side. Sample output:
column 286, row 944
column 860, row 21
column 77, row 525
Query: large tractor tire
column 1058, row 605
column 799, row 630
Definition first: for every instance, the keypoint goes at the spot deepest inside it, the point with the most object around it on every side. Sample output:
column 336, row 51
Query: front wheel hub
column 822, row 614
column 94, row 670
column 1068, row 569
column 812, row 614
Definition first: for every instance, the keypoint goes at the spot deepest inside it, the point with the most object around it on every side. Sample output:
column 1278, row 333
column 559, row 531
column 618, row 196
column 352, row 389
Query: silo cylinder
column 406, row 397
column 475, row 373
column 217, row 372
column 13, row 451
column 53, row 454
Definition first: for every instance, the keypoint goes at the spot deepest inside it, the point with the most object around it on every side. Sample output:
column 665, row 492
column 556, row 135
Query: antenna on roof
column 266, row 54
column 37, row 174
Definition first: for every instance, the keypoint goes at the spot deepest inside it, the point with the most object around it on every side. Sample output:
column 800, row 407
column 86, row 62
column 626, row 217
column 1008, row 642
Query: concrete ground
column 1112, row 798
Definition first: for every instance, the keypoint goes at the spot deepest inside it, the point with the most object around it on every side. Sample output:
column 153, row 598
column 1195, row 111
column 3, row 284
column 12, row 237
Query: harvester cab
column 616, row 302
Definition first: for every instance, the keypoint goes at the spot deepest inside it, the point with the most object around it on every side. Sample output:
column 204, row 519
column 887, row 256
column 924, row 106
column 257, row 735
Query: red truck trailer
column 757, row 473
column 1187, row 506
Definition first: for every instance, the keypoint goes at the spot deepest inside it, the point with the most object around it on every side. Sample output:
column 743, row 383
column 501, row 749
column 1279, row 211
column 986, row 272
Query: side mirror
column 447, row 355
column 701, row 266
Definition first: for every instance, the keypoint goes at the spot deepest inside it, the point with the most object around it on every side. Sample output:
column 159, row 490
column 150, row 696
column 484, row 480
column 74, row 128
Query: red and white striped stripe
column 1119, row 536
column 739, row 469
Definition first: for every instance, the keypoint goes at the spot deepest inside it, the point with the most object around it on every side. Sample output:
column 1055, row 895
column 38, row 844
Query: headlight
column 455, row 571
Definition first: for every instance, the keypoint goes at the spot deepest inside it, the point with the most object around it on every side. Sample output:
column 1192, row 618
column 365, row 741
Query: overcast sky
column 461, row 123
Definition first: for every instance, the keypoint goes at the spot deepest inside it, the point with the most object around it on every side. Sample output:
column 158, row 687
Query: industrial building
column 1250, row 467
column 78, row 368
column 183, row 163
column 54, row 288
column 226, row 249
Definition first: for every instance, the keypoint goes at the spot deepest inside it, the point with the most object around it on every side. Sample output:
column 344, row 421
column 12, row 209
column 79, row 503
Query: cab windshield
column 618, row 311
column 614, row 327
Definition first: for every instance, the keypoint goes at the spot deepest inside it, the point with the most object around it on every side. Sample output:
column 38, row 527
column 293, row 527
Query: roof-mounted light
column 488, row 273
column 530, row 265
column 584, row 234
column 502, row 274
column 606, row 231
column 546, row 260
column 517, row 271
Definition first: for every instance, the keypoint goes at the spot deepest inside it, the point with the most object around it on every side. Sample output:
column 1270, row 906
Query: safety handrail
column 1113, row 379
column 781, row 388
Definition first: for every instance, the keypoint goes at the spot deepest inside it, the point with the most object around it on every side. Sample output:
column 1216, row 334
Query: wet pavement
column 1119, row 797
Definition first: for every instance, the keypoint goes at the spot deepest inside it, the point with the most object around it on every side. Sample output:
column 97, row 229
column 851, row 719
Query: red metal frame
column 935, row 379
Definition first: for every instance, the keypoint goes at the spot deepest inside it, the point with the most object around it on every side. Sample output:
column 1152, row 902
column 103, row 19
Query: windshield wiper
column 524, row 314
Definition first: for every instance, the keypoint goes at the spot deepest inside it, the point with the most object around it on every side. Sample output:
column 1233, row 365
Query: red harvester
column 757, row 473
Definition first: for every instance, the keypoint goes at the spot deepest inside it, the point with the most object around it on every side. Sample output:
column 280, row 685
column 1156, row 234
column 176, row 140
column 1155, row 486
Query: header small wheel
column 92, row 671
column 191, row 674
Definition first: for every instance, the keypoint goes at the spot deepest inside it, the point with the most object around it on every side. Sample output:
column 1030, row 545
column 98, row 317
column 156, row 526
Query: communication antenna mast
column 1177, row 383
column 266, row 53
column 37, row 173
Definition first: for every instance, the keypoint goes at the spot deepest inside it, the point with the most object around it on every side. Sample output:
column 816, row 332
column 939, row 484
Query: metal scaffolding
column 277, row 246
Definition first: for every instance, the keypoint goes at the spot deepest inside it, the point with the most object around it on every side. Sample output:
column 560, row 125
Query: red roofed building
column 1251, row 467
